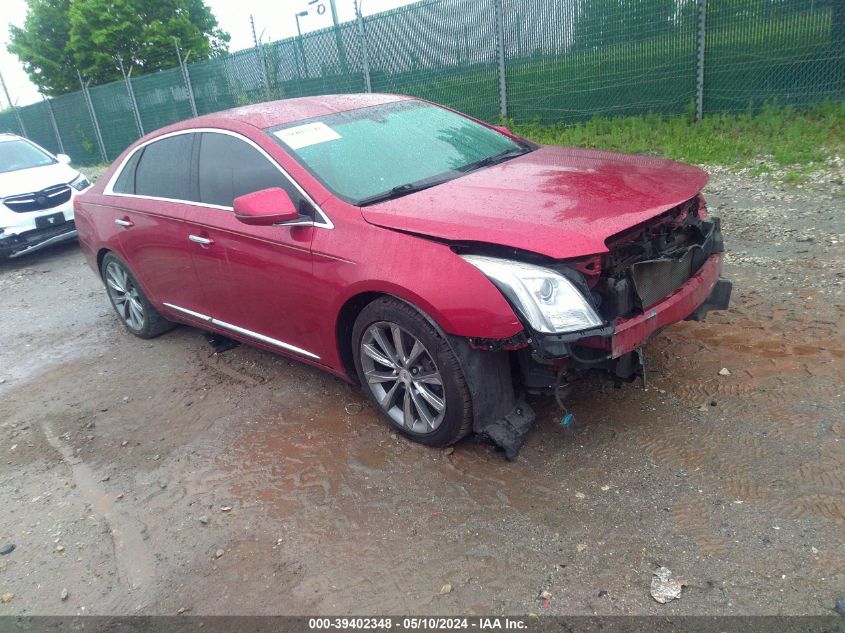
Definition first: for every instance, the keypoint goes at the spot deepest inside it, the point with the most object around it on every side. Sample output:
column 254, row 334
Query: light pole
column 338, row 39
column 301, row 14
column 299, row 32
column 365, row 53
column 13, row 107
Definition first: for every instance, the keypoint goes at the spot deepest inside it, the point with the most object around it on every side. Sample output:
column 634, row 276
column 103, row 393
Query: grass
column 785, row 140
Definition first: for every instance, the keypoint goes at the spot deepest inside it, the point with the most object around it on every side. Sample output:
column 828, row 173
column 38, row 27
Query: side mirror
column 266, row 207
column 503, row 129
column 64, row 159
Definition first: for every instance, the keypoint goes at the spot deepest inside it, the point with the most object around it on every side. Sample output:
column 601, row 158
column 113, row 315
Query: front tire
column 129, row 301
column 411, row 374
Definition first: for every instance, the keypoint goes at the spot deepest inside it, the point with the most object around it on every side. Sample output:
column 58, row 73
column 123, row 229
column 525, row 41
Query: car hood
column 13, row 183
column 558, row 202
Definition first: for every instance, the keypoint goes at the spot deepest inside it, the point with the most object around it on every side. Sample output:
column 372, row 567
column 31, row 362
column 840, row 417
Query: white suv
column 36, row 196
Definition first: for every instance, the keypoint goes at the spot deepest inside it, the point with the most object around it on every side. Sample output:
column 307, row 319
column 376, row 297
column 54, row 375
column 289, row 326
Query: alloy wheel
column 124, row 296
column 403, row 377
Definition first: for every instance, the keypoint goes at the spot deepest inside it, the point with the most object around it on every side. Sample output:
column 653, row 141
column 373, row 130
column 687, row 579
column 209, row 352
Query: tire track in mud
column 692, row 516
column 826, row 473
column 737, row 399
column 135, row 567
column 779, row 361
column 286, row 460
column 739, row 483
column 827, row 506
column 227, row 368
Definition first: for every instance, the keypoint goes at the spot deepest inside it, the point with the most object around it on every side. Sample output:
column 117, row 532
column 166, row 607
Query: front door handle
column 201, row 240
column 127, row 224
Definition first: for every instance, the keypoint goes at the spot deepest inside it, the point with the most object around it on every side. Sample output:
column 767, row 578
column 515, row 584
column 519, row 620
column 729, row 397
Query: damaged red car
column 446, row 265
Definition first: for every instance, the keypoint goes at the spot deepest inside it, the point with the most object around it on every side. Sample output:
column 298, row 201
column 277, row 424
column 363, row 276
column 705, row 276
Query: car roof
column 273, row 113
column 4, row 136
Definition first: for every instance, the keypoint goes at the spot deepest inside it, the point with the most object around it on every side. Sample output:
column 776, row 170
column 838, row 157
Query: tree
column 42, row 46
column 60, row 36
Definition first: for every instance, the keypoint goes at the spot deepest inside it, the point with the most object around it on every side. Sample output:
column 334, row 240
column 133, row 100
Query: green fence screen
column 782, row 52
column 547, row 60
column 115, row 117
column 9, row 122
column 571, row 61
column 76, row 128
column 36, row 122
column 442, row 51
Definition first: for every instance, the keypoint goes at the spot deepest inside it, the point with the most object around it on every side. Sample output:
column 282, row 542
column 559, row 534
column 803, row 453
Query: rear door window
column 230, row 167
column 164, row 169
column 125, row 183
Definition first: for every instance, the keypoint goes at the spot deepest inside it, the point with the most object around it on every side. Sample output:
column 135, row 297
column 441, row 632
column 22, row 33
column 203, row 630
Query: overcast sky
column 274, row 18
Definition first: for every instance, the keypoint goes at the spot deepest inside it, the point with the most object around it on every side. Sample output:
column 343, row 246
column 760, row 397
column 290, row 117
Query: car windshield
column 18, row 154
column 372, row 154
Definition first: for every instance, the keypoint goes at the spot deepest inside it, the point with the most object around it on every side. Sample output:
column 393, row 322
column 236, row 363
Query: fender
column 454, row 294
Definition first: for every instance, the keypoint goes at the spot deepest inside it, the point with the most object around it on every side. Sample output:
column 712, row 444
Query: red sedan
column 446, row 264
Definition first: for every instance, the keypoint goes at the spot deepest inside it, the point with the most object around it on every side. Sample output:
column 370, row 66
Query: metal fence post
column 131, row 92
column 90, row 104
column 185, row 77
column 259, row 51
column 338, row 39
column 699, row 58
column 14, row 107
column 54, row 124
column 267, row 91
column 365, row 52
column 499, row 17
column 20, row 121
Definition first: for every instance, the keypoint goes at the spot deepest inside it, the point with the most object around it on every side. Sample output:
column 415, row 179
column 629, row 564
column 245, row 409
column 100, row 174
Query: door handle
column 201, row 240
column 127, row 224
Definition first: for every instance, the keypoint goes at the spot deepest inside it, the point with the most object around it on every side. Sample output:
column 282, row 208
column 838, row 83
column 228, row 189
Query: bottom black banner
column 576, row 624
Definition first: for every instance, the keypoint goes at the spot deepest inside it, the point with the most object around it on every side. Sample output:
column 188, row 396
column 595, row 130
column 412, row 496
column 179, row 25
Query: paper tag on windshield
column 305, row 135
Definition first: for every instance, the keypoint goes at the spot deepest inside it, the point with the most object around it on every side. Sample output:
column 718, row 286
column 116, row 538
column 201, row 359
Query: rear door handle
column 201, row 240
column 127, row 224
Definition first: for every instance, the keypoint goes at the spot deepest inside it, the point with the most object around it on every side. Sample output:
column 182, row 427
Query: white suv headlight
column 80, row 182
column 548, row 300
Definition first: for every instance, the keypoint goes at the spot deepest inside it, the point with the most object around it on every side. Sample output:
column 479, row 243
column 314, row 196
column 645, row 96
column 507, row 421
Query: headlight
column 548, row 301
column 80, row 182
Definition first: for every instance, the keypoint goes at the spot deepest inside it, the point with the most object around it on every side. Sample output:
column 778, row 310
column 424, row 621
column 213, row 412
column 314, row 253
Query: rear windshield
column 19, row 154
column 370, row 151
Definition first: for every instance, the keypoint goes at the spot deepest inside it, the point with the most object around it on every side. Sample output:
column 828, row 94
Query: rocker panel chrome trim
column 264, row 339
column 244, row 331
column 196, row 315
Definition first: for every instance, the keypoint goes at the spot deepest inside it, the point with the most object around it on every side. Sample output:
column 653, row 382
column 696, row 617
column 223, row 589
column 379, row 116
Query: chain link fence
column 529, row 60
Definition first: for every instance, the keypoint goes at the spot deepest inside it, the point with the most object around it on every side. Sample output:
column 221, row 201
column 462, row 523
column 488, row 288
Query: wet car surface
column 115, row 449
column 448, row 266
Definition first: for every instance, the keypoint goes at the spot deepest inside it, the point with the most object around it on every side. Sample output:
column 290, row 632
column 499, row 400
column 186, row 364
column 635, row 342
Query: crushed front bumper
column 702, row 292
column 12, row 246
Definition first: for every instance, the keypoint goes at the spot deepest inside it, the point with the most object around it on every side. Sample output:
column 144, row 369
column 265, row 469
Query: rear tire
column 129, row 301
column 411, row 374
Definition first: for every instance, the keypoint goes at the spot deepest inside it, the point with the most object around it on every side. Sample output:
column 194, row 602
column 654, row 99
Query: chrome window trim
column 323, row 221
column 244, row 331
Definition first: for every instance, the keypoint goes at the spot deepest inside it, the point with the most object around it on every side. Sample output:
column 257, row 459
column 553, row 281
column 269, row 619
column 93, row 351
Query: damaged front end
column 16, row 244
column 651, row 276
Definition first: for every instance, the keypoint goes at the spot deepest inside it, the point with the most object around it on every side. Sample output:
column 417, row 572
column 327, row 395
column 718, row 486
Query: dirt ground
column 149, row 477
